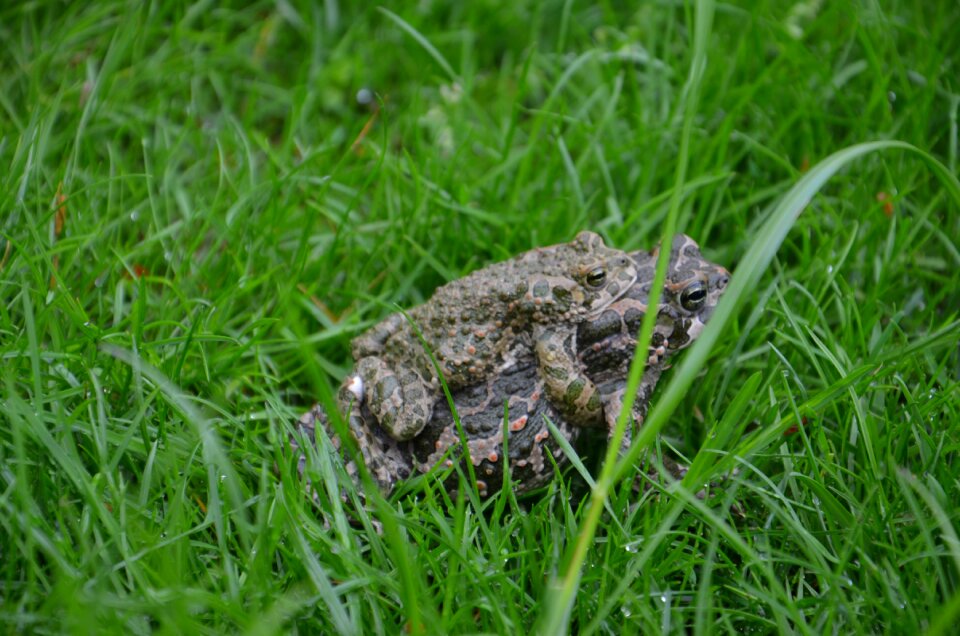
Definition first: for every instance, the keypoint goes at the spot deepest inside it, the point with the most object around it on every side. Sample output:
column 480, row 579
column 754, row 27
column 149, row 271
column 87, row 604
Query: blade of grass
column 752, row 265
column 423, row 42
column 563, row 593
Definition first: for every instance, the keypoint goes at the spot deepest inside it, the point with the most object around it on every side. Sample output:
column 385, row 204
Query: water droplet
column 626, row 611
column 134, row 215
column 168, row 256
column 891, row 96
column 829, row 269
column 631, row 548
column 364, row 96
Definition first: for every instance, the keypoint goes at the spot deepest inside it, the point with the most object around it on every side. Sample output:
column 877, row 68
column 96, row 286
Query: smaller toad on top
column 478, row 325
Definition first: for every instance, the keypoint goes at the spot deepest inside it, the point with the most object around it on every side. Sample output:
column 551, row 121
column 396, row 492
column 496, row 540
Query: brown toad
column 479, row 325
column 605, row 347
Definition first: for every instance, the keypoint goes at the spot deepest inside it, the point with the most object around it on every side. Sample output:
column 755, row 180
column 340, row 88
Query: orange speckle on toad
column 471, row 349
column 518, row 424
column 542, row 435
column 449, row 463
column 493, row 457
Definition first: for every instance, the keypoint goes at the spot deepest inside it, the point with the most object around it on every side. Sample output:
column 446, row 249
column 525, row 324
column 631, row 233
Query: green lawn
column 201, row 206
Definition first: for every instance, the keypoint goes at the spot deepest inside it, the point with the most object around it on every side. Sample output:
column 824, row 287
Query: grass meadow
column 200, row 205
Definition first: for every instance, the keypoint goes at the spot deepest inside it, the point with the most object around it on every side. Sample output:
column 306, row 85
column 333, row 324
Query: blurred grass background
column 201, row 204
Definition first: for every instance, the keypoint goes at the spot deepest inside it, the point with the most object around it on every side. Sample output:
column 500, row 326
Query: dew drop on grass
column 626, row 611
column 364, row 96
column 134, row 215
column 631, row 548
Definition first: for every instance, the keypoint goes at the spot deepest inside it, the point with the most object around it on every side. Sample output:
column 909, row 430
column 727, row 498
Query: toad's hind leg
column 401, row 400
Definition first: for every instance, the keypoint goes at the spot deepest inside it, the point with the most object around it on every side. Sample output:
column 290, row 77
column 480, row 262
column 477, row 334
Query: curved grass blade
column 754, row 263
column 425, row 43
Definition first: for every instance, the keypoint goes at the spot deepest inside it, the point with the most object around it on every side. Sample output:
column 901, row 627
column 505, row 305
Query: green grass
column 232, row 216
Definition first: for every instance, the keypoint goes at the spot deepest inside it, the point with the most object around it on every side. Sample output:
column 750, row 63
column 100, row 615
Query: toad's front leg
column 568, row 388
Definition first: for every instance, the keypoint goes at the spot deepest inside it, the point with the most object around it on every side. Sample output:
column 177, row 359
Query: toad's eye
column 597, row 277
column 693, row 297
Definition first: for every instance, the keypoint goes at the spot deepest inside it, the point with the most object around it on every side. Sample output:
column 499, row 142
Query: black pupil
column 693, row 297
column 596, row 277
